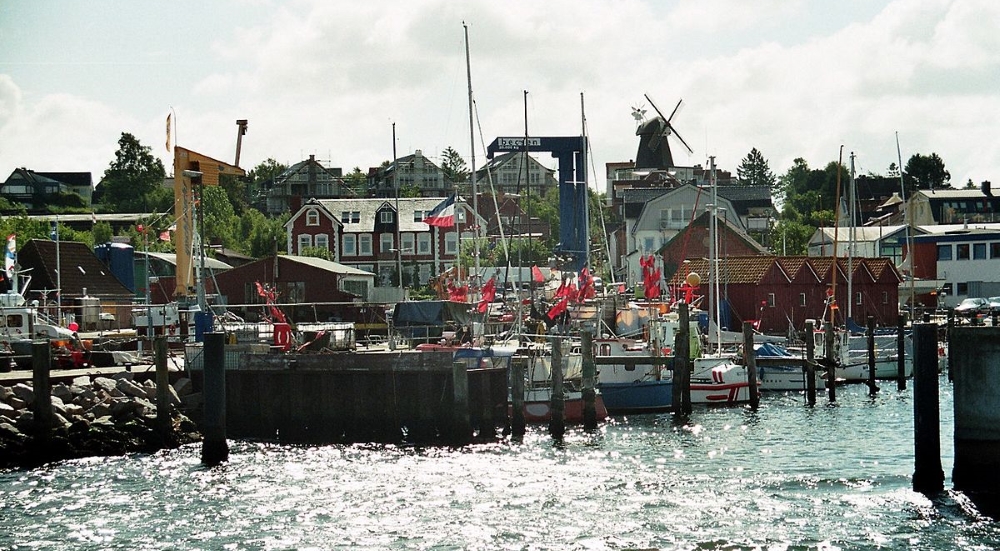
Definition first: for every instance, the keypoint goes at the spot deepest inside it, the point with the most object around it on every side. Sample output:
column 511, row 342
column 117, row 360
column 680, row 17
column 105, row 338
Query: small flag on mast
column 443, row 215
column 168, row 132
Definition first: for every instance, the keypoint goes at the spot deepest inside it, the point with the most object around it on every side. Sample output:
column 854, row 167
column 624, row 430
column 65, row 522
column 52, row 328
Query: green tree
column 316, row 252
column 259, row 177
column 754, row 170
column 792, row 237
column 925, row 172
column 131, row 177
column 357, row 182
column 453, row 166
column 265, row 236
column 220, row 220
column 102, row 232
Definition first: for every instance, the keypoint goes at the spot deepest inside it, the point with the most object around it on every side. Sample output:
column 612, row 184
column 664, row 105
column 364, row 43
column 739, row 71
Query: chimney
column 985, row 186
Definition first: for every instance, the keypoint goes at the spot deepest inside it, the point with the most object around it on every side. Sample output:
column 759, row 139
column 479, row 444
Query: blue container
column 202, row 324
column 120, row 259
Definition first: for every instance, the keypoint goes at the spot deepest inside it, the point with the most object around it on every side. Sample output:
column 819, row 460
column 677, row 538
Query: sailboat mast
column 713, row 256
column 472, row 154
column 908, row 220
column 850, row 247
column 832, row 306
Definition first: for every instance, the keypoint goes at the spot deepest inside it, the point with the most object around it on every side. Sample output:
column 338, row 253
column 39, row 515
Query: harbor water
column 787, row 476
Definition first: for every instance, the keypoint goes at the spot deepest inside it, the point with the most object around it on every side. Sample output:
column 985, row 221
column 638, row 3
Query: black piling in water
column 750, row 358
column 928, row 476
column 557, row 404
column 214, row 449
column 870, row 333
column 589, row 374
column 163, row 419
column 41, row 407
column 518, row 366
column 681, row 398
column 831, row 361
column 810, row 364
column 487, row 425
column 951, row 328
column 901, row 352
column 461, row 424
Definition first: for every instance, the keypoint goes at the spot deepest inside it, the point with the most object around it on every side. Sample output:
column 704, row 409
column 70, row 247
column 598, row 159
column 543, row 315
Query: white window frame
column 387, row 242
column 350, row 242
column 305, row 240
column 322, row 241
column 312, row 217
column 424, row 243
column 451, row 243
column 407, row 242
column 386, row 217
column 365, row 244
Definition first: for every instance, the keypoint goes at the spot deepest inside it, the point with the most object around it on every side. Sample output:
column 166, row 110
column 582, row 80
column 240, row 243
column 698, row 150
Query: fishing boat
column 538, row 384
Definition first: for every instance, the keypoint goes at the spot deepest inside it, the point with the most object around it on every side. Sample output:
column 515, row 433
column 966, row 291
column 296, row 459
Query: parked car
column 972, row 307
column 994, row 305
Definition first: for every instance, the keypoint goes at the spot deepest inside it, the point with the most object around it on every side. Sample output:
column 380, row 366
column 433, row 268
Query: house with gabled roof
column 302, row 181
column 34, row 189
column 362, row 233
column 954, row 206
column 510, row 174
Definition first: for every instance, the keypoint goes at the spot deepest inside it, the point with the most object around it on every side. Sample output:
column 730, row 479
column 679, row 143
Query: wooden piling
column 928, row 476
column 682, row 357
column 973, row 355
column 589, row 374
column 810, row 364
column 557, row 403
column 214, row 449
column 518, row 366
column 750, row 359
column 870, row 333
column 487, row 422
column 163, row 419
column 41, row 407
column 461, row 432
column 951, row 328
column 831, row 361
column 901, row 352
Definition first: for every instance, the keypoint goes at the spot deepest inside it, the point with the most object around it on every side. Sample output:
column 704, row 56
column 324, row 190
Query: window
column 770, row 300
column 365, row 244
column 312, row 217
column 418, row 216
column 356, row 217
column 424, row 273
column 386, row 241
column 647, row 244
column 885, row 297
column 386, row 217
column 355, row 287
column 322, row 241
column 407, row 241
column 459, row 215
column 979, row 251
column 350, row 245
column 995, row 250
column 946, row 289
column 802, row 299
column 424, row 243
column 944, row 252
column 305, row 240
column 962, row 251
column 857, row 298
column 451, row 243
column 963, row 288
column 345, row 217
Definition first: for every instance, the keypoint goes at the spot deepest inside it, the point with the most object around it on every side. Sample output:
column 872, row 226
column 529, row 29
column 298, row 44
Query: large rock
column 63, row 392
column 81, row 381
column 6, row 410
column 184, row 386
column 24, row 392
column 129, row 388
column 105, row 384
column 5, row 393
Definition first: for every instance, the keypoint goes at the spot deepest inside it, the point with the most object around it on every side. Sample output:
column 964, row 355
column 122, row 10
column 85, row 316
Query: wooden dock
column 389, row 397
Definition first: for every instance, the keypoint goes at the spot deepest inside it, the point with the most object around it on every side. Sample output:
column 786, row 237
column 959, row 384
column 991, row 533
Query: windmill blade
column 674, row 130
column 674, row 112
column 658, row 112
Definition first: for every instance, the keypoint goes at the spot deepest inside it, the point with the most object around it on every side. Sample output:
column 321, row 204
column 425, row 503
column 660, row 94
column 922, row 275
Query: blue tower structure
column 574, row 219
column 120, row 259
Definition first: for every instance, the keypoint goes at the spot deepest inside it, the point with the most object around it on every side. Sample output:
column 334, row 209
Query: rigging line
column 489, row 176
column 600, row 211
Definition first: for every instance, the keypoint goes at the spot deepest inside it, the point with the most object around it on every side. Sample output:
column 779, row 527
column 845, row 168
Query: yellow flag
column 168, row 132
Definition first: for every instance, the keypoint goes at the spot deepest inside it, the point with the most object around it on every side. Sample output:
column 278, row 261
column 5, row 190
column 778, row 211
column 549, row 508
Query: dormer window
column 312, row 217
column 386, row 217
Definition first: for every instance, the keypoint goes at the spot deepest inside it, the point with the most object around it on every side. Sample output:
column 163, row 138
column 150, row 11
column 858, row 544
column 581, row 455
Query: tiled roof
column 369, row 206
column 733, row 269
column 80, row 268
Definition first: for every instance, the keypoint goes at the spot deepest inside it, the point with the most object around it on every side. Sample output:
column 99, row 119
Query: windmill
column 654, row 150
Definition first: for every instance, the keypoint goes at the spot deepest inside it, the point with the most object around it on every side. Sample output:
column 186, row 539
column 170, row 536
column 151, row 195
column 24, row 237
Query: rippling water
column 785, row 477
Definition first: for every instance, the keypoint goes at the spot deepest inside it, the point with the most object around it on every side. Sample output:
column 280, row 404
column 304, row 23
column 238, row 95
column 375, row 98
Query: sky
column 336, row 78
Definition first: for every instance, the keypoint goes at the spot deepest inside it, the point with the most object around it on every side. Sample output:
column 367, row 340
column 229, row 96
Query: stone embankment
column 109, row 416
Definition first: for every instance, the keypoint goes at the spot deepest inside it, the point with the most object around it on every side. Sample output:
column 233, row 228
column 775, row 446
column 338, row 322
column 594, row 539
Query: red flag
column 489, row 293
column 558, row 309
column 536, row 274
column 586, row 285
column 652, row 284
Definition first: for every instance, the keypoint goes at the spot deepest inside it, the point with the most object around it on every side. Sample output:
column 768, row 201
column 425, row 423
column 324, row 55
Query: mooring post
column 682, row 356
column 461, row 426
column 928, row 476
column 951, row 329
column 831, row 360
column 487, row 426
column 870, row 333
column 214, row 448
column 518, row 366
column 901, row 352
column 41, row 407
column 750, row 359
column 589, row 375
column 557, row 404
column 163, row 419
column 809, row 366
